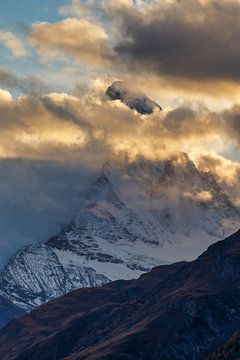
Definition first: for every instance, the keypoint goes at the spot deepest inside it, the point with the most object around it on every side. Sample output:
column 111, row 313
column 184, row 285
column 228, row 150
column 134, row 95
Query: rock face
column 36, row 275
column 137, row 215
column 135, row 100
column 183, row 311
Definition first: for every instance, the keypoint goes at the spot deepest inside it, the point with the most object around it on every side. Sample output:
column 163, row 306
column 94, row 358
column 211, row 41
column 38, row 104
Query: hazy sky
column 57, row 59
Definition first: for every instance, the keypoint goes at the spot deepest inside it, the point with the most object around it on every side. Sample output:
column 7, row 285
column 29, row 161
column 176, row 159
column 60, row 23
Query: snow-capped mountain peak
column 136, row 215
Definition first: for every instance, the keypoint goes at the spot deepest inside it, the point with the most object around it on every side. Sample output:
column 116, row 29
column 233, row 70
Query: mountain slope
column 35, row 275
column 8, row 311
column 183, row 311
column 230, row 350
column 137, row 215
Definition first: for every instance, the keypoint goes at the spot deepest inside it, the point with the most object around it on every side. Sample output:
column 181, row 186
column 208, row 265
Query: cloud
column 202, row 196
column 227, row 173
column 227, row 170
column 170, row 49
column 84, row 41
column 5, row 96
column 53, row 145
column 37, row 198
column 29, row 85
column 30, row 130
column 13, row 43
column 59, row 126
column 79, row 8
column 90, row 128
column 188, row 39
column 231, row 120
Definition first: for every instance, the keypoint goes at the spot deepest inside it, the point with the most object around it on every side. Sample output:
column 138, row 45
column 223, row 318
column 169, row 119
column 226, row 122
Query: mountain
column 134, row 99
column 230, row 350
column 183, row 311
column 137, row 215
column 8, row 311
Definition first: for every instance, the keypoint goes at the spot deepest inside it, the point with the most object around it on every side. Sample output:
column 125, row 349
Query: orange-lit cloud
column 53, row 121
column 82, row 40
column 226, row 171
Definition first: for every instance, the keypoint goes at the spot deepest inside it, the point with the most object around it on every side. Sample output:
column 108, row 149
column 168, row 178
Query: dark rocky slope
column 229, row 351
column 181, row 311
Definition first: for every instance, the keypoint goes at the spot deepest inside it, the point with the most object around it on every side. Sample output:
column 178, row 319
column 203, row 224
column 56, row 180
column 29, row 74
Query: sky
column 56, row 126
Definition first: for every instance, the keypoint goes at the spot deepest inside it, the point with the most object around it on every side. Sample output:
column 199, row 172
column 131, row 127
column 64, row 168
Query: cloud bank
column 191, row 39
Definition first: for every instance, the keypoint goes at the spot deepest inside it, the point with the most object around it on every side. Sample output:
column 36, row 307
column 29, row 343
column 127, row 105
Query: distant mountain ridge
column 137, row 215
column 183, row 311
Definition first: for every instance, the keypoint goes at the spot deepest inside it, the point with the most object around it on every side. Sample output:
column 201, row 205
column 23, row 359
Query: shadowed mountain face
column 181, row 311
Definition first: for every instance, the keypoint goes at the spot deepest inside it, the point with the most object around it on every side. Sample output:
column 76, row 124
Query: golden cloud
column 72, row 124
column 67, row 121
column 226, row 171
column 80, row 39
column 91, row 129
column 202, row 196
column 5, row 96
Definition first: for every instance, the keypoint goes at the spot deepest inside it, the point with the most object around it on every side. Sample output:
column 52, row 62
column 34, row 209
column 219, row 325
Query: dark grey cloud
column 36, row 199
column 184, row 38
column 28, row 85
column 66, row 112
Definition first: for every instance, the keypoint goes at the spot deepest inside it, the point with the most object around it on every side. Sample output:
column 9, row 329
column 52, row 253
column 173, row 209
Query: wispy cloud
column 29, row 85
column 13, row 43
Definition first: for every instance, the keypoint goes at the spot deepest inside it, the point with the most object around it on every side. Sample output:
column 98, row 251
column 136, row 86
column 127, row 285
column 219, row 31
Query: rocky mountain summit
column 183, row 311
column 134, row 99
column 135, row 216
